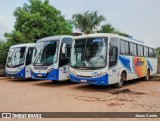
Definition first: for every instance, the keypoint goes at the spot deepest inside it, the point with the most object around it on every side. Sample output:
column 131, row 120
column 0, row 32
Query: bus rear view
column 51, row 58
column 19, row 60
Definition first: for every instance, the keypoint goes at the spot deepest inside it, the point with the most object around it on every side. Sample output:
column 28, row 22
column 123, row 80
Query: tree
column 37, row 19
column 124, row 34
column 3, row 52
column 88, row 21
column 108, row 28
column 158, row 52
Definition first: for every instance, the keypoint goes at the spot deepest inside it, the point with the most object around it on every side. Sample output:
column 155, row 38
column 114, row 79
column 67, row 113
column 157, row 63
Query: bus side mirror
column 64, row 48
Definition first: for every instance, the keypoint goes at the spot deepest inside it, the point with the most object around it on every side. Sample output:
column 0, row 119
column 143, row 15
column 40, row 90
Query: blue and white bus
column 51, row 57
column 19, row 60
column 104, row 59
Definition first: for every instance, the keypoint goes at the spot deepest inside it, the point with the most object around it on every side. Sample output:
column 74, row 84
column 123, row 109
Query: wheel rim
column 122, row 78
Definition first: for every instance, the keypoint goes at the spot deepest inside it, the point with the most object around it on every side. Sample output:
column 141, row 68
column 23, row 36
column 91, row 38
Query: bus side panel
column 124, row 64
column 152, row 65
column 64, row 73
column 136, row 67
column 114, row 74
column 28, row 72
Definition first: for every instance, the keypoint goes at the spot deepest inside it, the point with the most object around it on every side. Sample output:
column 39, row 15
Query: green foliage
column 35, row 20
column 3, row 51
column 108, row 28
column 88, row 21
column 123, row 34
column 158, row 52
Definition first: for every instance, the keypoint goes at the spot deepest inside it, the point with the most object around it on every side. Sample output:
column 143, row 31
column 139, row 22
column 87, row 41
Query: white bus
column 51, row 57
column 19, row 60
column 104, row 59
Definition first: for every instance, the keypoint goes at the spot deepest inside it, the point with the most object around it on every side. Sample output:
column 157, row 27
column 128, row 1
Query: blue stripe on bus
column 125, row 62
column 103, row 80
column 149, row 65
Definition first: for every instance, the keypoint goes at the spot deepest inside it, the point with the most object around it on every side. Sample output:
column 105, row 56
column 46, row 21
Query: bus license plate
column 40, row 75
column 84, row 81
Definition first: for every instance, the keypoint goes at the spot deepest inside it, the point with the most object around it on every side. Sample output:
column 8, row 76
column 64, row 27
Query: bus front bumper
column 20, row 74
column 102, row 80
column 52, row 75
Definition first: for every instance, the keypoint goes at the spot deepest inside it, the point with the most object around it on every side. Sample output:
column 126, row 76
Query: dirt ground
column 20, row 95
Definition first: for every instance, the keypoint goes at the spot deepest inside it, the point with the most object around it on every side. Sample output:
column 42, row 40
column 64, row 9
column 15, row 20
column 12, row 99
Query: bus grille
column 85, row 76
column 41, row 68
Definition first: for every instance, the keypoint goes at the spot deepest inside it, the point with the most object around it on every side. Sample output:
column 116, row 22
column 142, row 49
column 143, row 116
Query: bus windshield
column 89, row 53
column 45, row 53
column 16, row 57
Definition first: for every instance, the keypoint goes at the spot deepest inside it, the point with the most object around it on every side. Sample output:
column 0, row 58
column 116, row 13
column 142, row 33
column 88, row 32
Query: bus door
column 113, row 59
column 64, row 58
column 28, row 61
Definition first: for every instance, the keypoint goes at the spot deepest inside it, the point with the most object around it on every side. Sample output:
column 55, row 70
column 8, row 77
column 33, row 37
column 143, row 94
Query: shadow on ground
column 22, row 80
column 48, row 83
column 108, row 88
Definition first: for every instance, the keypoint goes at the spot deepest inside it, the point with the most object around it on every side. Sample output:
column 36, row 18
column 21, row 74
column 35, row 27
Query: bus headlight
column 72, row 71
column 49, row 70
column 100, row 74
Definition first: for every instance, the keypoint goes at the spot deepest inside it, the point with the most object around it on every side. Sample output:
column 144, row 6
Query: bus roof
column 24, row 45
column 54, row 38
column 110, row 35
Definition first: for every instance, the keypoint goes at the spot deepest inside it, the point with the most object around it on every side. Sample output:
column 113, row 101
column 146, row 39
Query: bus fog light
column 20, row 75
column 48, row 70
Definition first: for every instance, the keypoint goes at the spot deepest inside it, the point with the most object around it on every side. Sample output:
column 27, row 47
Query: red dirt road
column 17, row 95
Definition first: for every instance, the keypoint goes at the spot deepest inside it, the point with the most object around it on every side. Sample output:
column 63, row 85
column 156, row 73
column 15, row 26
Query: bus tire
column 148, row 75
column 123, row 78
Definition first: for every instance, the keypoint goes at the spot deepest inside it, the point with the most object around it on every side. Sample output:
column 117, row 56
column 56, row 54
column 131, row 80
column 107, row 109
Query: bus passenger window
column 140, row 50
column 29, row 55
column 151, row 52
column 113, row 53
column 122, row 47
column 146, row 51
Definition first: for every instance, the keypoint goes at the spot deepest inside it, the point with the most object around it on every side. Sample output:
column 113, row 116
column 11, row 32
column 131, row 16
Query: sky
column 138, row 18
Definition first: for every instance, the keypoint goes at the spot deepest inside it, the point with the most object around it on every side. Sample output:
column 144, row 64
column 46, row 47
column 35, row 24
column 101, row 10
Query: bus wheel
column 120, row 83
column 148, row 75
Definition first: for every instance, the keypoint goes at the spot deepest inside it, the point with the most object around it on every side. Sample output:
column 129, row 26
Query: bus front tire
column 123, row 78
